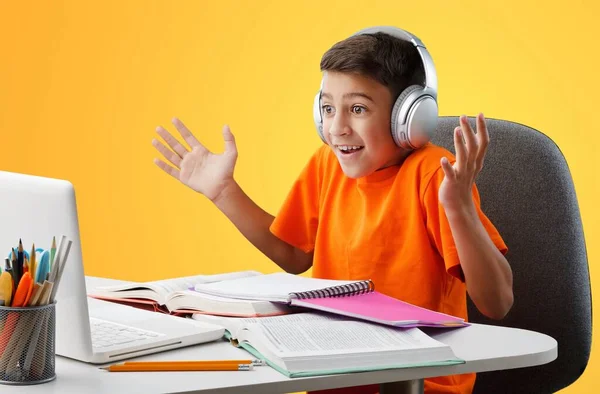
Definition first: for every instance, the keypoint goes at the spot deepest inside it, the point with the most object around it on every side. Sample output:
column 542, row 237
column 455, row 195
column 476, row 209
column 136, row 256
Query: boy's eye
column 327, row 109
column 357, row 109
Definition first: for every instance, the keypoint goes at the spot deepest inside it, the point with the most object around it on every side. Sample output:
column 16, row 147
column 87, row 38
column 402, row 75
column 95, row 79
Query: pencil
column 16, row 270
column 32, row 263
column 20, row 257
column 195, row 362
column 164, row 368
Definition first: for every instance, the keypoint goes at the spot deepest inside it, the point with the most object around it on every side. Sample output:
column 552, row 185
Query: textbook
column 357, row 299
column 176, row 296
column 313, row 343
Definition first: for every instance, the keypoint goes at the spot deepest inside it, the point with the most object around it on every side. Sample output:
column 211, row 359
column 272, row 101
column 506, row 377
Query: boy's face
column 356, row 123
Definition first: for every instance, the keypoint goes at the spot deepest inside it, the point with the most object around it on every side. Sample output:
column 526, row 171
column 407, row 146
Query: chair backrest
column 527, row 191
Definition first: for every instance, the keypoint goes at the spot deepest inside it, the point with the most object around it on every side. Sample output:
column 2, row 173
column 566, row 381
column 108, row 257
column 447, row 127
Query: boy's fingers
column 470, row 140
column 448, row 169
column 186, row 133
column 484, row 140
column 461, row 149
column 167, row 153
column 167, row 168
column 230, row 147
column 173, row 143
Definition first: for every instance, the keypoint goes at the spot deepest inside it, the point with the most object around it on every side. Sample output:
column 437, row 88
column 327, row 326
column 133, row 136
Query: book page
column 270, row 287
column 235, row 324
column 160, row 289
column 298, row 335
column 313, row 334
column 188, row 282
column 165, row 286
column 230, row 307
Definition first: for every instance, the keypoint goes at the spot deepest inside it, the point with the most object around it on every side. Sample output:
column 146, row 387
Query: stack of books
column 302, row 326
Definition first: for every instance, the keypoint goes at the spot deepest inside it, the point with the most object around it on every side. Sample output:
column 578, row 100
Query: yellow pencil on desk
column 174, row 367
column 196, row 362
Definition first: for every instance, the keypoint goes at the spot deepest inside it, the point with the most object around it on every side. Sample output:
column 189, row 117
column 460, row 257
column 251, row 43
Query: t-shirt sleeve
column 439, row 227
column 298, row 218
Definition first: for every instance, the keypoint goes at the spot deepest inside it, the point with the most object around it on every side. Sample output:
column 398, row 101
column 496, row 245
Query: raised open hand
column 456, row 189
column 198, row 168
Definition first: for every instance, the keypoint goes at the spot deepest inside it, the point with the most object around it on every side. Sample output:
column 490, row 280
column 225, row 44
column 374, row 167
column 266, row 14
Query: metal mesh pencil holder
column 27, row 336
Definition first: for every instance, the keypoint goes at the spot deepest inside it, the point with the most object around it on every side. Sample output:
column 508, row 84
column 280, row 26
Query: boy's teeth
column 346, row 147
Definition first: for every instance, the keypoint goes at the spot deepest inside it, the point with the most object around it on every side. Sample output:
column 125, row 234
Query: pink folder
column 379, row 308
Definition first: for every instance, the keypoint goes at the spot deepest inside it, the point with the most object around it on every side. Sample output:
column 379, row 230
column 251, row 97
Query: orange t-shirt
column 389, row 227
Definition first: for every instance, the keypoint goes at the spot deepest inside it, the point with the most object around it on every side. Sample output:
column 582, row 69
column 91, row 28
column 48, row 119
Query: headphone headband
column 430, row 74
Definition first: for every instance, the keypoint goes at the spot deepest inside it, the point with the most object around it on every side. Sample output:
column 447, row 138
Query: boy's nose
column 338, row 127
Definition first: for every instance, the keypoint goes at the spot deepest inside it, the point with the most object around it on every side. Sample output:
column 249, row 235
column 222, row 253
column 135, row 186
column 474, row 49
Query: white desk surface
column 483, row 347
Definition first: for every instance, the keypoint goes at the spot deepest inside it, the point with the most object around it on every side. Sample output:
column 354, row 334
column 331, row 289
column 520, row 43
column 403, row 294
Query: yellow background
column 83, row 86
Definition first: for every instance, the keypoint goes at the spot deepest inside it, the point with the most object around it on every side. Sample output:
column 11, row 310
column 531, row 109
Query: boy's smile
column 356, row 123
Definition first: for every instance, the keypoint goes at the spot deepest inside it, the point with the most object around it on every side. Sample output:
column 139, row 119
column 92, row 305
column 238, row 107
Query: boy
column 365, row 207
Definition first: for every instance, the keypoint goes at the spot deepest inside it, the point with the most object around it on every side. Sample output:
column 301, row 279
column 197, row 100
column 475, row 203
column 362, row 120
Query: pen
column 52, row 253
column 163, row 368
column 43, row 266
column 196, row 362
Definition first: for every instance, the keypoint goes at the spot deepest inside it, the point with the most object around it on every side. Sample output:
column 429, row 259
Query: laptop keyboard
column 106, row 333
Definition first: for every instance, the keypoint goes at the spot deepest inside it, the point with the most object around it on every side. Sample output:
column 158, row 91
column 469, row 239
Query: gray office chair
column 527, row 191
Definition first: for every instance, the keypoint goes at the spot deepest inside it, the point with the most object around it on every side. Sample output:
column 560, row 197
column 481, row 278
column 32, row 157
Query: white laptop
column 35, row 209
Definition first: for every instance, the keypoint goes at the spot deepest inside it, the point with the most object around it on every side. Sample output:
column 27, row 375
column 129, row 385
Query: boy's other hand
column 198, row 168
column 455, row 192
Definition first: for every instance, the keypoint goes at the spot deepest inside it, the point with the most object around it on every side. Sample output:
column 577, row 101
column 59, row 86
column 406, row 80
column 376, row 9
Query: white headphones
column 415, row 112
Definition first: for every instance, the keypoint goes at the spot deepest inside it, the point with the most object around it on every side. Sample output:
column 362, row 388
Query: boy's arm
column 254, row 223
column 488, row 275
column 212, row 175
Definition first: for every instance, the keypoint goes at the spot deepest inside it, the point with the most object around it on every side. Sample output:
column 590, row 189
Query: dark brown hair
column 393, row 62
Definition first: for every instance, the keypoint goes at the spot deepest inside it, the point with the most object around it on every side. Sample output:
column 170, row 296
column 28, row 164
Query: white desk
column 483, row 347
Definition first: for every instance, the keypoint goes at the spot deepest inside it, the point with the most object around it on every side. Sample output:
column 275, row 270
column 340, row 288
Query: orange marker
column 23, row 289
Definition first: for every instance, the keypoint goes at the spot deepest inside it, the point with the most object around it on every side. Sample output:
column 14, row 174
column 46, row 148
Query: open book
column 357, row 299
column 177, row 296
column 309, row 344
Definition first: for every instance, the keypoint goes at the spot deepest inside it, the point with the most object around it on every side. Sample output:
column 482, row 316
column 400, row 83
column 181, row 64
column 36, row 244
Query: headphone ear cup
column 414, row 119
column 399, row 129
column 317, row 116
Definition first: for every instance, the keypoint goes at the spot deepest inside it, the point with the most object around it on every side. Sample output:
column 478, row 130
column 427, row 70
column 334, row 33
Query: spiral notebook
column 357, row 299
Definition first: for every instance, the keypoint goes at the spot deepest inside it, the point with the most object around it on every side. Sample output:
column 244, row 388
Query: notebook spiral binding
column 365, row 286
